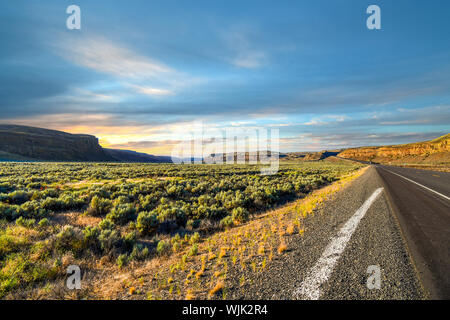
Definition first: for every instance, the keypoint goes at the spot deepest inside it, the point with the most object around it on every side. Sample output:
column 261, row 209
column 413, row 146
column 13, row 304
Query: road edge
column 423, row 274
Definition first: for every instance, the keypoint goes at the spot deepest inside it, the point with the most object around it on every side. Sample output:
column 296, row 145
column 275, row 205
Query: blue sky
column 138, row 72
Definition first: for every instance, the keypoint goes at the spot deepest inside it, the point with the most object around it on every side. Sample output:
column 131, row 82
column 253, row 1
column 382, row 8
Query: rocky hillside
column 29, row 143
column 435, row 151
column 133, row 156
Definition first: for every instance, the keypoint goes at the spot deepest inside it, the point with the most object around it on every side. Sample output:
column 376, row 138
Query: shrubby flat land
column 155, row 231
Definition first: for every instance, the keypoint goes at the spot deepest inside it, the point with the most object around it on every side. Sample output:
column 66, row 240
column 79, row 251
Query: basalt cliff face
column 435, row 151
column 29, row 143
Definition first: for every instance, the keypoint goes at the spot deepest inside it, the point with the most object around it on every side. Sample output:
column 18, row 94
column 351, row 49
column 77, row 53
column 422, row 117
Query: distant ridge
column 133, row 156
column 436, row 151
column 24, row 143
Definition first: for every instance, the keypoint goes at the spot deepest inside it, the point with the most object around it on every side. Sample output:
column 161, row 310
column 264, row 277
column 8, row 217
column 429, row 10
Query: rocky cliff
column 433, row 152
column 29, row 143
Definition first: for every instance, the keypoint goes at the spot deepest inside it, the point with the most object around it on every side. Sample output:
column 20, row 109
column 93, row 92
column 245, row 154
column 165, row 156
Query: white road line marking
column 310, row 287
column 442, row 195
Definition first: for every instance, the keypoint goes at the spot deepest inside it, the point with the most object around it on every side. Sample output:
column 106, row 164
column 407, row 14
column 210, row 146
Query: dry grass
column 219, row 286
column 282, row 247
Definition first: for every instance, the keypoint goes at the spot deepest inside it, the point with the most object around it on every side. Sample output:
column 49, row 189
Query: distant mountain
column 23, row 143
column 309, row 156
column 133, row 156
column 435, row 151
column 233, row 157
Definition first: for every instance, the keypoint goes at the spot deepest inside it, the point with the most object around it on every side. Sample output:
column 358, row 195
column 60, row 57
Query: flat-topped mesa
column 30, row 143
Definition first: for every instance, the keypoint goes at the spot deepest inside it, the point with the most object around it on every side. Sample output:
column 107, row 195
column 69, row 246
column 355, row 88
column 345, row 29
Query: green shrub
column 32, row 209
column 109, row 239
column 193, row 224
column 226, row 222
column 106, row 224
column 162, row 247
column 147, row 223
column 9, row 212
column 195, row 238
column 18, row 271
column 43, row 223
column 91, row 237
column 122, row 260
column 99, row 206
column 122, row 213
column 69, row 239
column 240, row 215
column 19, row 197
column 193, row 250
column 129, row 241
column 139, row 253
column 52, row 204
column 28, row 223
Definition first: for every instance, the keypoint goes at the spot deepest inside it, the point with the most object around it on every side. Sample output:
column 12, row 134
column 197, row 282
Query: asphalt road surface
column 391, row 221
column 420, row 199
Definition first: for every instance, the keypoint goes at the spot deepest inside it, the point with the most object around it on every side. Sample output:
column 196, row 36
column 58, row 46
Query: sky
column 138, row 74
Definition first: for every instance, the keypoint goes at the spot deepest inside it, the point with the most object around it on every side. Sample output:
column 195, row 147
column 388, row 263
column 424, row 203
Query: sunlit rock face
column 434, row 151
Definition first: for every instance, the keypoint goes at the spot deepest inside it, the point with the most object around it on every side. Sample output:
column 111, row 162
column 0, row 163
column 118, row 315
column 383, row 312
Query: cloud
column 245, row 53
column 329, row 141
column 104, row 56
column 143, row 74
column 152, row 91
column 250, row 59
column 325, row 120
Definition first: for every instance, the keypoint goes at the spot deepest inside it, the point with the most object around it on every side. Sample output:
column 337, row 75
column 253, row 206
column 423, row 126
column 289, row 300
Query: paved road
column 424, row 215
column 342, row 240
column 394, row 219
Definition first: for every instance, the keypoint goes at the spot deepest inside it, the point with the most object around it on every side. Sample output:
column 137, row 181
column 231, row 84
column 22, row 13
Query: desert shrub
column 193, row 224
column 240, row 215
column 180, row 218
column 139, row 253
column 122, row 260
column 193, row 250
column 28, row 223
column 129, row 240
column 109, row 239
column 19, row 270
column 99, row 206
column 163, row 247
column 226, row 222
column 68, row 239
column 34, row 185
column 195, row 238
column 9, row 212
column 52, row 204
column 19, row 197
column 68, row 201
column 32, row 209
column 91, row 237
column 106, row 224
column 122, row 213
column 147, row 223
column 43, row 223
column 121, row 200
column 175, row 238
column 49, row 193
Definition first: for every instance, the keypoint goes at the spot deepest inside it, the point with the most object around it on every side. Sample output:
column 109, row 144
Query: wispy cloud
column 104, row 56
column 244, row 53
column 143, row 74
column 152, row 91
